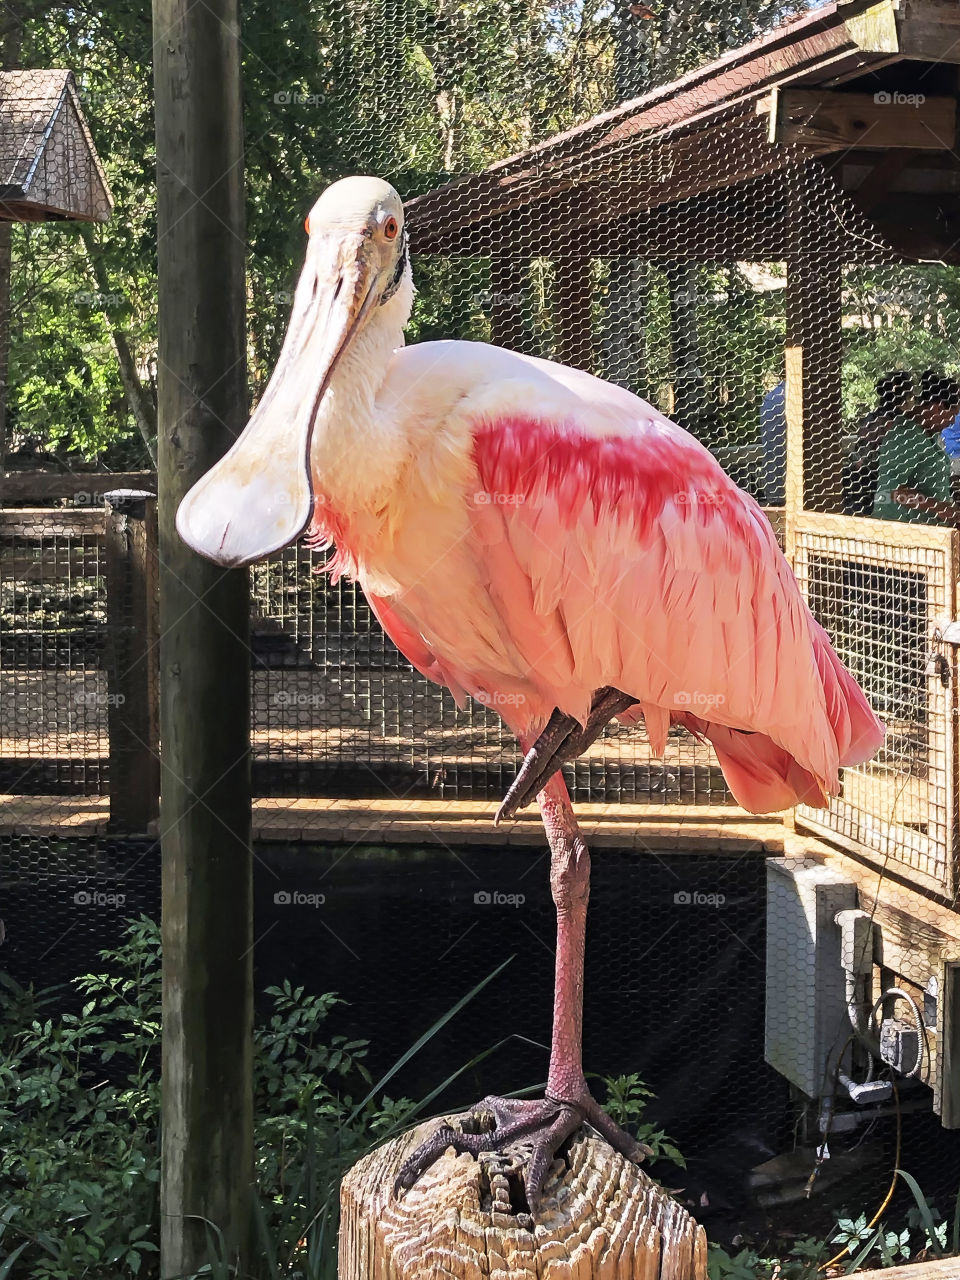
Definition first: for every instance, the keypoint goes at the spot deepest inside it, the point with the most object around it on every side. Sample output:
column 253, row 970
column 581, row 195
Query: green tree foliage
column 419, row 91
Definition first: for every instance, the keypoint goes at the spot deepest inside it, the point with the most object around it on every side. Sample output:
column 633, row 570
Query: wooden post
column 949, row 1028
column 690, row 399
column 207, row 1152
column 602, row 1218
column 130, row 565
column 573, row 307
column 814, row 352
column 509, row 290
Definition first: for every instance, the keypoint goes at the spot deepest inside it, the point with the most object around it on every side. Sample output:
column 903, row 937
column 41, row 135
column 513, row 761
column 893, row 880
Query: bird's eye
column 306, row 224
column 390, row 228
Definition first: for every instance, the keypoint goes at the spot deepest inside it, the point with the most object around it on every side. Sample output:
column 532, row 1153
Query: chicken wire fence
column 621, row 190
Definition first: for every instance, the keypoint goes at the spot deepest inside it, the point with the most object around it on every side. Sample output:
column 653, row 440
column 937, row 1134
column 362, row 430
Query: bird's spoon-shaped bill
column 258, row 497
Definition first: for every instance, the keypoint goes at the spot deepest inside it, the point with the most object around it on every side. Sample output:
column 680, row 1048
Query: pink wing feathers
column 668, row 583
column 590, row 542
column 611, row 549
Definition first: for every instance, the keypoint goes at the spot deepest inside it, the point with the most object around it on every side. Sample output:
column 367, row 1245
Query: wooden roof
column 811, row 90
column 49, row 168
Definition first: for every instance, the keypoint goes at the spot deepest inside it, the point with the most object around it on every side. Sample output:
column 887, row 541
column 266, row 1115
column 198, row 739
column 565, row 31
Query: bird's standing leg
column 533, row 1131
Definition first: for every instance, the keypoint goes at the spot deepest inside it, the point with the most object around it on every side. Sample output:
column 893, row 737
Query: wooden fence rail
column 125, row 528
column 86, row 487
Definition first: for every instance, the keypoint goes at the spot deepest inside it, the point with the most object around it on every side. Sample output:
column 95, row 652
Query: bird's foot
column 562, row 740
column 517, row 1141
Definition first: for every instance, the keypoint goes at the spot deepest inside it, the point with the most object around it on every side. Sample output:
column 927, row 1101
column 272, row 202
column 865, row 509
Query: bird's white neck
column 356, row 453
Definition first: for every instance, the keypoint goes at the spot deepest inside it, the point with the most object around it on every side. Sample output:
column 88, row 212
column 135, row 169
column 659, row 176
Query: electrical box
column 806, row 1007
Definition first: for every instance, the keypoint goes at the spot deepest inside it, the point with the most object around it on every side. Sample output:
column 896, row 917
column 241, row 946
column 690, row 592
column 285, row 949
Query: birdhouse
column 49, row 168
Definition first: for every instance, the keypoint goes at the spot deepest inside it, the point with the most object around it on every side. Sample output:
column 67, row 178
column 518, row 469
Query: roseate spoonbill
column 541, row 540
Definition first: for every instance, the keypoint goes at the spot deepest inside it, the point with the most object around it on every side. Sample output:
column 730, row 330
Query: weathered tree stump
column 602, row 1218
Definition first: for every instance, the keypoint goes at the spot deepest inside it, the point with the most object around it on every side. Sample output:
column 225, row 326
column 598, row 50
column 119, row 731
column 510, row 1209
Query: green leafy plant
column 626, row 1102
column 79, row 1105
column 803, row 1262
column 79, row 1109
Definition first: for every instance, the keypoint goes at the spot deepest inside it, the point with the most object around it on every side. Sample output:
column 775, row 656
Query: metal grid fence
column 884, row 591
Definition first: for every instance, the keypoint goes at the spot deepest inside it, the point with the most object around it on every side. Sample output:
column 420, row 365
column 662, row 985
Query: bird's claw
column 516, row 1140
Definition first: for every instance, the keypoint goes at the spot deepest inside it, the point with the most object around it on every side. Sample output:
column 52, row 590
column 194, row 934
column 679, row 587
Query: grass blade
column 417, row 1108
column 855, row 1262
column 427, row 1036
column 7, row 1265
column 927, row 1218
column 263, row 1236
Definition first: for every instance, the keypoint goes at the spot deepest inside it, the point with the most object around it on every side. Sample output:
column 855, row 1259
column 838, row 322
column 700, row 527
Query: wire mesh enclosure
column 884, row 593
column 747, row 214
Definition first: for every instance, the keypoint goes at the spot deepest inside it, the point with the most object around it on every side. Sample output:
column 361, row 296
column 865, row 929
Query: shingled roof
column 49, row 168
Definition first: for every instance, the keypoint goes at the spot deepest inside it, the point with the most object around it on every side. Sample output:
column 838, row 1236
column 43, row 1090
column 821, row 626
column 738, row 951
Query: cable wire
column 893, row 1185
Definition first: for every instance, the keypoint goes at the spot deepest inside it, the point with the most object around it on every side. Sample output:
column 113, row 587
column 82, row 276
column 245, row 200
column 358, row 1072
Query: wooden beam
column 83, row 486
column 814, row 357
column 207, row 1098
column 871, row 121
column 37, row 524
column 929, row 30
column 936, row 1269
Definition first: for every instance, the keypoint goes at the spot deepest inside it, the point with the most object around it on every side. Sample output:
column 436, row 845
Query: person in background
column 894, row 397
column 951, row 442
column 913, row 482
column 773, row 433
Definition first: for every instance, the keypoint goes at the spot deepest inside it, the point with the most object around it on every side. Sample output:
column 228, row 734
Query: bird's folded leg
column 557, row 730
column 563, row 740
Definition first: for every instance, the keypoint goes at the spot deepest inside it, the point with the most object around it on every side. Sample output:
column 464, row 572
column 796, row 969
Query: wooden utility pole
column 207, row 1153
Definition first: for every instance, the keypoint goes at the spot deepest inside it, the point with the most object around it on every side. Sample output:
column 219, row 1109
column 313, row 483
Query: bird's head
column 259, row 496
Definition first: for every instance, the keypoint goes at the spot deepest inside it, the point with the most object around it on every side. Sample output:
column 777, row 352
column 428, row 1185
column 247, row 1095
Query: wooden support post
column 207, row 1152
column 573, row 308
column 689, row 389
column 814, row 355
column 949, row 1027
column 509, row 291
column 602, row 1217
column 130, row 565
column 624, row 324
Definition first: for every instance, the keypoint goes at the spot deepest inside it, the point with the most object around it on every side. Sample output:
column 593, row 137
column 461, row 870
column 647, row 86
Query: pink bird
column 545, row 542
